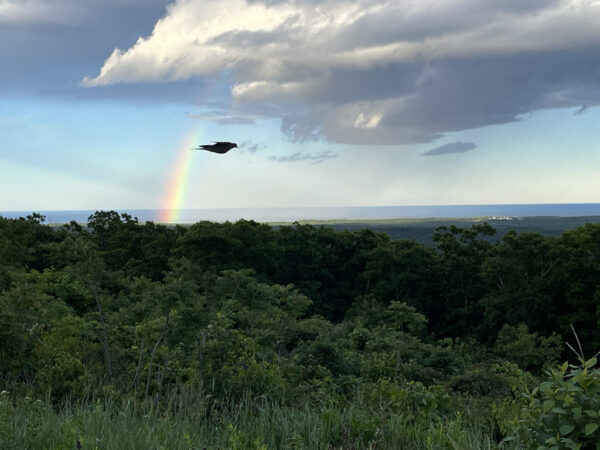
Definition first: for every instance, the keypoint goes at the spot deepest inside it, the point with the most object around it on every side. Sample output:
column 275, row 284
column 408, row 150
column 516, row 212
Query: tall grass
column 247, row 424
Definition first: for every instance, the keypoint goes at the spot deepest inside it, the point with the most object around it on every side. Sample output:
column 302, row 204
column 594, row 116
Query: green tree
column 519, row 274
column 461, row 254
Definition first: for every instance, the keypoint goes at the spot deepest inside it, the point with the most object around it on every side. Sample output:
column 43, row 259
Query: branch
column 152, row 358
column 139, row 366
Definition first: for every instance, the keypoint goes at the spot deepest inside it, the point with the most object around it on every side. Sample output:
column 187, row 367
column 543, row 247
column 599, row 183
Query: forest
column 120, row 334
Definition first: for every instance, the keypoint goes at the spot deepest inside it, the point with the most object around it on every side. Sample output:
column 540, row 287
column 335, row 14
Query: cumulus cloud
column 454, row 147
column 376, row 72
column 317, row 158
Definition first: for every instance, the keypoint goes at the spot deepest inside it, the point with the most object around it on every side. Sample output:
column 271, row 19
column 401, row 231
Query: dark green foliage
column 461, row 255
column 491, row 380
column 404, row 271
column 126, row 245
column 367, row 331
column 528, row 350
column 422, row 230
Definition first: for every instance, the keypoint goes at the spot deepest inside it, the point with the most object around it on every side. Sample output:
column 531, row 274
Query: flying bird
column 217, row 147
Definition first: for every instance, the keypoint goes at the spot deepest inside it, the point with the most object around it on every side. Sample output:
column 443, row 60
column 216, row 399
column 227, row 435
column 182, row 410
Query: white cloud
column 367, row 121
column 371, row 71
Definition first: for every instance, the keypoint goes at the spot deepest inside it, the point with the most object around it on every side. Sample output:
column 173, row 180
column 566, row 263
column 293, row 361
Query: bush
column 65, row 376
column 503, row 380
column 528, row 350
column 411, row 398
column 481, row 382
column 563, row 412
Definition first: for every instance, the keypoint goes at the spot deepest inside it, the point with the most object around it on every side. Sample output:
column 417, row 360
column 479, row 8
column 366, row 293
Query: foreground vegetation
column 128, row 335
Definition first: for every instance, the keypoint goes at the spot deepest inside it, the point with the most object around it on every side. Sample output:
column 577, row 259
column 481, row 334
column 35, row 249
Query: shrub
column 411, row 398
column 501, row 380
column 528, row 350
column 562, row 412
column 481, row 381
column 65, row 376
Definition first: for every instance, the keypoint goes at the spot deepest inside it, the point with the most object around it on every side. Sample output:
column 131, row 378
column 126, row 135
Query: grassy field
column 251, row 424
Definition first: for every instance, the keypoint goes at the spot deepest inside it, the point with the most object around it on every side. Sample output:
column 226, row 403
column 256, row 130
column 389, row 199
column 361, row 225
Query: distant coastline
column 284, row 215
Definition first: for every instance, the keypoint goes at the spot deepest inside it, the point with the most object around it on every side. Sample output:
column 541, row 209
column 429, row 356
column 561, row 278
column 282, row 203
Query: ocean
column 334, row 213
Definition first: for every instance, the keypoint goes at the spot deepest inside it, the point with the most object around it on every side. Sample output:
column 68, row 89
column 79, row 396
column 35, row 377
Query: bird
column 217, row 147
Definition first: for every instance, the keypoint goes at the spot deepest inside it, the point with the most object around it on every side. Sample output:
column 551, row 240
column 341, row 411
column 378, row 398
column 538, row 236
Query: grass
column 249, row 424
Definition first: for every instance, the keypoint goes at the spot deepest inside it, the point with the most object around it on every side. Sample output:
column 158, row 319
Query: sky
column 331, row 102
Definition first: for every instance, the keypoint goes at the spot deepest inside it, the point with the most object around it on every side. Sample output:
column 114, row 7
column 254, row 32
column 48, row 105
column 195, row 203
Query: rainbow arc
column 178, row 182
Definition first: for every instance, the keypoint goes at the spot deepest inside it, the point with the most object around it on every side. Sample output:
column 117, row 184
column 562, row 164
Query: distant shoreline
column 338, row 214
column 422, row 230
column 397, row 221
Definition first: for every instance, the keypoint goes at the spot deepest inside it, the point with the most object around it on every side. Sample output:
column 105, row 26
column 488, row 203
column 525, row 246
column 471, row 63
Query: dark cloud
column 57, row 42
column 401, row 22
column 454, row 147
column 456, row 94
column 317, row 158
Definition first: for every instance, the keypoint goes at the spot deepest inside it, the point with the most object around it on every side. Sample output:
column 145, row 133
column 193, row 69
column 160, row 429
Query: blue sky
column 334, row 103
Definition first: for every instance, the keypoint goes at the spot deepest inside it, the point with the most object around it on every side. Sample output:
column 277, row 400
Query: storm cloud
column 376, row 72
column 47, row 46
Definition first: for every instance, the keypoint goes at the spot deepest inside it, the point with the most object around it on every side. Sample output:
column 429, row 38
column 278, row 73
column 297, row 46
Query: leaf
column 566, row 429
column 591, row 413
column 594, row 389
column 570, row 444
column 591, row 362
column 548, row 404
column 590, row 428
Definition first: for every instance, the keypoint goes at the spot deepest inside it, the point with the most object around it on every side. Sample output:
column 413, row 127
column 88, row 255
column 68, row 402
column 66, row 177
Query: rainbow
column 177, row 184
column 175, row 192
